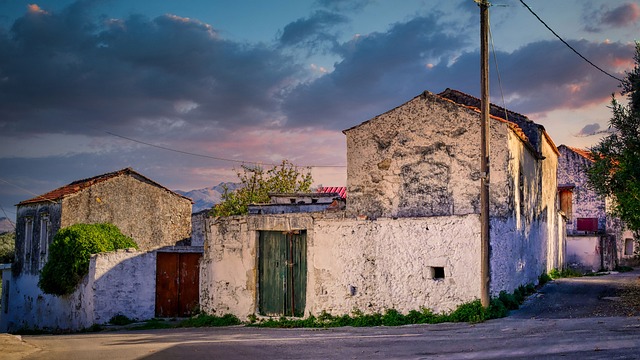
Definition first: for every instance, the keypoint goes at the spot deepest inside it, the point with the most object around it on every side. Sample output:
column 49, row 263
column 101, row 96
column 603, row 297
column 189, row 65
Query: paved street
column 582, row 318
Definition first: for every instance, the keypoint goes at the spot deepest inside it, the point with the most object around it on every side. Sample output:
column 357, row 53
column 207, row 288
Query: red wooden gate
column 177, row 284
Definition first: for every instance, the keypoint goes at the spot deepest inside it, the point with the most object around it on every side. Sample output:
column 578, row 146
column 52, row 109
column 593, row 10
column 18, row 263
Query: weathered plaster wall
column 30, row 262
column 29, row 308
column 585, row 202
column 528, row 242
column 583, row 252
column 388, row 261
column 422, row 159
column 198, row 227
column 124, row 284
column 121, row 282
column 152, row 216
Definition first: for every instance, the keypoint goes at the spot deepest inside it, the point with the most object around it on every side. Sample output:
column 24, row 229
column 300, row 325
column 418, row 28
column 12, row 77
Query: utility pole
column 485, row 135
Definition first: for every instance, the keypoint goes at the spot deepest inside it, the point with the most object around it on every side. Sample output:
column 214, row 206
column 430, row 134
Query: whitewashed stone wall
column 121, row 282
column 124, row 284
column 422, row 159
column 585, row 202
column 387, row 261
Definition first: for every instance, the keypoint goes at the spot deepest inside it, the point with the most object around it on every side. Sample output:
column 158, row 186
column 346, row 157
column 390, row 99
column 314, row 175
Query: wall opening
column 437, row 272
column 628, row 246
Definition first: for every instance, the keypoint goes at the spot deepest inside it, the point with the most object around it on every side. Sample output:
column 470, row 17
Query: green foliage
column 472, row 312
column 203, row 320
column 258, row 183
column 7, row 247
column 71, row 250
column 544, row 278
column 622, row 268
column 508, row 300
column 564, row 273
column 615, row 171
column 121, row 320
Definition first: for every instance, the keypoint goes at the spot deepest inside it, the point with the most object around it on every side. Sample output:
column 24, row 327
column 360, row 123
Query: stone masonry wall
column 585, row 202
column 422, row 159
column 152, row 216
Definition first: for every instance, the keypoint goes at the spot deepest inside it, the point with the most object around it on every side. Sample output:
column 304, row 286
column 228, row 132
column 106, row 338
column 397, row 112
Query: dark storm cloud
column 314, row 31
column 618, row 17
column 588, row 130
column 344, row 5
column 543, row 76
column 377, row 72
column 67, row 72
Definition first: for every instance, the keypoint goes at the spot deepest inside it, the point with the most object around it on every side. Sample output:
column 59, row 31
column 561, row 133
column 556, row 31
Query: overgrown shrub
column 202, row 320
column 7, row 247
column 71, row 250
column 121, row 320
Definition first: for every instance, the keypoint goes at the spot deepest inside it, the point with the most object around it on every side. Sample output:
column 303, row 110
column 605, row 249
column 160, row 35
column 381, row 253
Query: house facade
column 595, row 239
column 409, row 237
column 154, row 216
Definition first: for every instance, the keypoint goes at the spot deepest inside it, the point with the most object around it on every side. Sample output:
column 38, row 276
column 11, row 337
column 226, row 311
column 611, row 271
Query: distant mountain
column 6, row 225
column 207, row 197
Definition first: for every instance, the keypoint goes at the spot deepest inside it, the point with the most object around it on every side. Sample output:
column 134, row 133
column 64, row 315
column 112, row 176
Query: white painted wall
column 388, row 261
column 124, row 284
column 120, row 282
column 583, row 252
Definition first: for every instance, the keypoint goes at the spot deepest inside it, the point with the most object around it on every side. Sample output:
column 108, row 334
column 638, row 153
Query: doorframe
column 257, row 264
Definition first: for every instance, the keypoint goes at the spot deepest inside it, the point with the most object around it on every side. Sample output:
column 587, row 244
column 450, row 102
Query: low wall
column 352, row 264
column 124, row 284
column 121, row 282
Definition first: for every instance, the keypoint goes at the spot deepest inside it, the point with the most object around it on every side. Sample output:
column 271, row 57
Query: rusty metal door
column 282, row 269
column 177, row 284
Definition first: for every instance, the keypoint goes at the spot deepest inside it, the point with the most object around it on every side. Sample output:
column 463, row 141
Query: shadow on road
column 590, row 296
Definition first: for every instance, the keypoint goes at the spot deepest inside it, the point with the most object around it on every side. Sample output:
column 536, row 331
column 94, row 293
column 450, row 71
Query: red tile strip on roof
column 341, row 190
column 78, row 185
column 582, row 152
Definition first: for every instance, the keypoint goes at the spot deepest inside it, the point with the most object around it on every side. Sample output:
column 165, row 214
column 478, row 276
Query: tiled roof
column 341, row 190
column 582, row 152
column 79, row 185
column 472, row 103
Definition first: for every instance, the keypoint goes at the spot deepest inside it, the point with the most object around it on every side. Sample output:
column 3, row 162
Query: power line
column 25, row 190
column 214, row 157
column 7, row 217
column 495, row 60
column 567, row 44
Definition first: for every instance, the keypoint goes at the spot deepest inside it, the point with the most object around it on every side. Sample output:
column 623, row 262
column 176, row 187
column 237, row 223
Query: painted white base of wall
column 121, row 282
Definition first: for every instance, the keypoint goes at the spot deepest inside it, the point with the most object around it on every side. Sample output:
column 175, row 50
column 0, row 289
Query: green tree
column 258, row 183
column 7, row 247
column 71, row 250
column 615, row 172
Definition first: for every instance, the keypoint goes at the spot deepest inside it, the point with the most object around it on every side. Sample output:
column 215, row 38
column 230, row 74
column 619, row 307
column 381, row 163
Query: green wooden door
column 282, row 268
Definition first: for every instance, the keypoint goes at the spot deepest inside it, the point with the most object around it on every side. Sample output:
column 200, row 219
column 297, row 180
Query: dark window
column 587, row 224
column 437, row 272
column 628, row 246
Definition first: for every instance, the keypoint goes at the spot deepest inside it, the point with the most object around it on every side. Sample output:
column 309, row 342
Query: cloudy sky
column 270, row 80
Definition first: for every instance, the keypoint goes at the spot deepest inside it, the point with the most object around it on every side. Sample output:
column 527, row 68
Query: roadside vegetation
column 471, row 312
column 71, row 250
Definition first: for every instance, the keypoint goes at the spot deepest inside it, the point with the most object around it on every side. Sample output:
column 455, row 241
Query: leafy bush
column 508, row 300
column 71, row 250
column 7, row 247
column 203, row 320
column 121, row 320
column 544, row 278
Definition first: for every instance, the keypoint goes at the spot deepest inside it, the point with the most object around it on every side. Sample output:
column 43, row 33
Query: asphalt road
column 582, row 318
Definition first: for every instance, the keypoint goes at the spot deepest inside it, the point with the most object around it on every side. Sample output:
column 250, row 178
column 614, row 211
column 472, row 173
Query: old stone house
column 410, row 235
column 123, row 282
column 595, row 239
